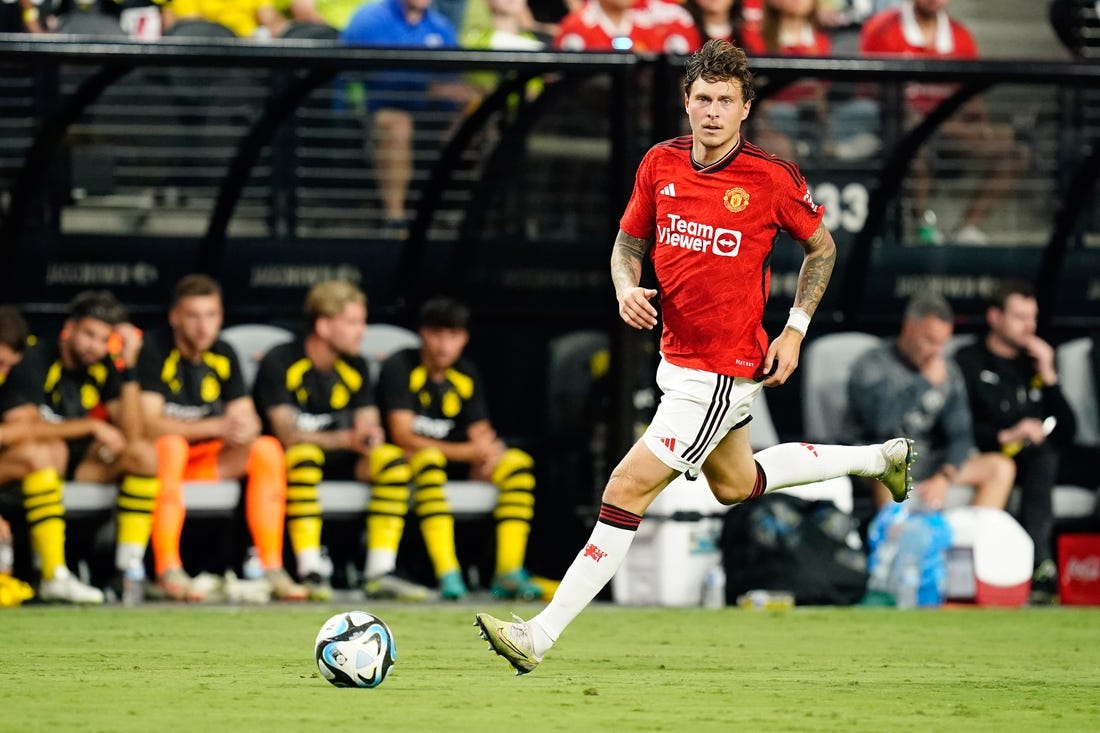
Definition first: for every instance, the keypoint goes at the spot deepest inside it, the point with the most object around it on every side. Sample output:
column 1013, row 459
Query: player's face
column 794, row 8
column 86, row 340
column 442, row 346
column 9, row 357
column 1016, row 324
column 923, row 340
column 716, row 7
column 343, row 331
column 715, row 111
column 196, row 322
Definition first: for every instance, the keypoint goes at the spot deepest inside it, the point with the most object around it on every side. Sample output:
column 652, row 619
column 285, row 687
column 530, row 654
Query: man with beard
column 77, row 416
column 1019, row 411
column 206, row 427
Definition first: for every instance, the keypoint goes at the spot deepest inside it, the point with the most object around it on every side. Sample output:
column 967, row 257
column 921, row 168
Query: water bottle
column 133, row 582
column 714, row 588
column 7, row 554
column 325, row 568
column 906, row 570
column 252, row 569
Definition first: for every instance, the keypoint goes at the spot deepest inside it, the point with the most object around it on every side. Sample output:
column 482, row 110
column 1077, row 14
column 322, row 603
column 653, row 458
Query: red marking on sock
column 594, row 552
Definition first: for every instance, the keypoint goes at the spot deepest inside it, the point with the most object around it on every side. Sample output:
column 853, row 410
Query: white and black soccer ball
column 355, row 649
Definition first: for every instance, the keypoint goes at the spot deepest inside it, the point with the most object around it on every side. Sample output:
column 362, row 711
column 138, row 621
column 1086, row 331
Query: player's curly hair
column 101, row 305
column 719, row 60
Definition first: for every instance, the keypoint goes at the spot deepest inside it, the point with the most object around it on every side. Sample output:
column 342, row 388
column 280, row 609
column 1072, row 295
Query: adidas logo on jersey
column 669, row 190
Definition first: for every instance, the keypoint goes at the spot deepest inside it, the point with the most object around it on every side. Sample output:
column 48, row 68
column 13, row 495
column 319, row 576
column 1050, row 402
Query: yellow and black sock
column 304, row 469
column 42, row 490
column 514, row 476
column 137, row 496
column 437, row 524
column 389, row 503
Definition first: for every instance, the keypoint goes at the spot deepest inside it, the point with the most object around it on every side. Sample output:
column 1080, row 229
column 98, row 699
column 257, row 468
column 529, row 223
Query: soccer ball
column 355, row 649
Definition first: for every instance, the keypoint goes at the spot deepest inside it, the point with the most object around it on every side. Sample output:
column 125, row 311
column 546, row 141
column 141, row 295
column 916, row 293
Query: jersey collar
column 721, row 162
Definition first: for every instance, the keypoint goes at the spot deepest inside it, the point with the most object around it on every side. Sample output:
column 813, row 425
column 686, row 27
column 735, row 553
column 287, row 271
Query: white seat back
column 826, row 365
column 1077, row 386
column 958, row 341
column 380, row 340
column 251, row 341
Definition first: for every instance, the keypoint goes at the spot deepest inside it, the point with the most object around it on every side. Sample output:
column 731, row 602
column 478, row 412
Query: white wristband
column 799, row 320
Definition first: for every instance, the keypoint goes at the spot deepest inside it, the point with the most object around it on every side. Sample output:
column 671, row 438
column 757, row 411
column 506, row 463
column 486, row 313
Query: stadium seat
column 1073, row 369
column 310, row 32
column 382, row 339
column 251, row 341
column 216, row 498
column 958, row 341
column 1076, row 502
column 88, row 23
column 826, row 365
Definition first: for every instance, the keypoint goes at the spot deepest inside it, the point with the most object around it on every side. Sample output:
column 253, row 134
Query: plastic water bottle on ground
column 252, row 569
column 714, row 588
column 906, row 571
column 133, row 582
column 7, row 552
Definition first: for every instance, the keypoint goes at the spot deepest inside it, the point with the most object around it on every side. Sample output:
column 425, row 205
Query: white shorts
column 697, row 410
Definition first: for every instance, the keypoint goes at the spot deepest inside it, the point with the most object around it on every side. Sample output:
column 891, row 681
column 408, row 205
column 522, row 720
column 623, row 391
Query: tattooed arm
column 816, row 270
column 626, row 272
column 782, row 357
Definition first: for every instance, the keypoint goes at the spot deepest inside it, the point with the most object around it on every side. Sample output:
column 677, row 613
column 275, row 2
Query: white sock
column 127, row 553
column 380, row 562
column 793, row 464
column 591, row 570
column 309, row 561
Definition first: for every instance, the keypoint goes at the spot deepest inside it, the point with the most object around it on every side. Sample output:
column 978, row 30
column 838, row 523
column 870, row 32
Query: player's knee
column 34, row 456
column 140, row 457
column 171, row 453
column 515, row 470
column 428, row 458
column 728, row 493
column 305, row 454
column 1004, row 469
column 387, row 460
column 266, row 451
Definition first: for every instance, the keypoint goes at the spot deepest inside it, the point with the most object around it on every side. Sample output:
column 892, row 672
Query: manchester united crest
column 736, row 199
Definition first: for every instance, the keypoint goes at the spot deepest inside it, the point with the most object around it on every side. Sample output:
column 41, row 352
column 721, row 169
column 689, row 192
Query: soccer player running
column 706, row 208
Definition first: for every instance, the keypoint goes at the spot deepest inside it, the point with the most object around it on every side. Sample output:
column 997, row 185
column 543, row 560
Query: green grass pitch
column 164, row 668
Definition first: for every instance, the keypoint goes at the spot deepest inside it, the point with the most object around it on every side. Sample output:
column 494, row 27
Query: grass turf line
column 615, row 669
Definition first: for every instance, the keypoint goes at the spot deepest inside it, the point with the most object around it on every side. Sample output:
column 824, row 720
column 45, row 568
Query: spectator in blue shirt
column 394, row 97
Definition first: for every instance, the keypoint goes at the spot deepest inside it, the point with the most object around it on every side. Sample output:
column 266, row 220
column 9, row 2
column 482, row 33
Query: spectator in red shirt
column 799, row 117
column 923, row 29
column 722, row 19
column 628, row 25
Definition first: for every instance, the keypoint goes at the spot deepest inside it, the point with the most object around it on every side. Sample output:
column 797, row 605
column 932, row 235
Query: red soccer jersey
column 650, row 25
column 713, row 229
column 895, row 32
